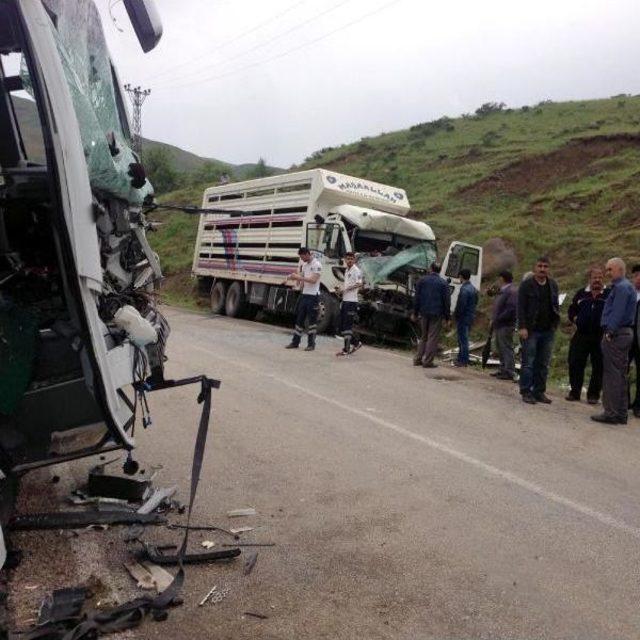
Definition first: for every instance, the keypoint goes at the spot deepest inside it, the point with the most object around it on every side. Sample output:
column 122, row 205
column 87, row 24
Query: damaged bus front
column 78, row 319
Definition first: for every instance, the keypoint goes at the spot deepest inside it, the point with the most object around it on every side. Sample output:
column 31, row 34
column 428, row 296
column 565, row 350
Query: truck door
column 461, row 256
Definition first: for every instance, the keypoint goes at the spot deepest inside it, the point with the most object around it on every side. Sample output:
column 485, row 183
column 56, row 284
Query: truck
column 249, row 234
column 79, row 325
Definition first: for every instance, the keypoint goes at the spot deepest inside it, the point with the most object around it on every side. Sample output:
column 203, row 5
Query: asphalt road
column 403, row 503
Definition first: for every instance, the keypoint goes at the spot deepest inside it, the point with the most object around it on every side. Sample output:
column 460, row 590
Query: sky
column 279, row 79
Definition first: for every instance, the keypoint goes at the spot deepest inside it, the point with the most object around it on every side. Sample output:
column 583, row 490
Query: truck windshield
column 389, row 267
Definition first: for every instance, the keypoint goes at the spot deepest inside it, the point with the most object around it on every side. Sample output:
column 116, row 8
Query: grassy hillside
column 555, row 178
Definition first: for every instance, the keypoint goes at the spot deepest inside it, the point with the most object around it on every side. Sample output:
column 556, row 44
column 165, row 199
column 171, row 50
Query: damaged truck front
column 78, row 319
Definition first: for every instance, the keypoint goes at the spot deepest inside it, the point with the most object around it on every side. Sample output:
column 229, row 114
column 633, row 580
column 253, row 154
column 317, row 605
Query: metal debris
column 206, row 598
column 250, row 563
column 260, row 616
column 155, row 555
column 80, row 519
column 157, row 498
column 149, row 575
column 236, row 513
column 241, row 529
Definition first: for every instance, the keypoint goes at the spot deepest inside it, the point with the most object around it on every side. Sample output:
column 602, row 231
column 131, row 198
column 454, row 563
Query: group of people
column 606, row 321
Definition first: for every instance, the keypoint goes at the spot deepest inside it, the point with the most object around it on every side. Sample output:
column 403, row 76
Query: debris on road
column 250, row 563
column 118, row 484
column 250, row 544
column 192, row 527
column 81, row 519
column 206, row 598
column 157, row 498
column 252, row 614
column 149, row 575
column 208, row 544
column 236, row 513
column 155, row 555
column 62, row 604
column 241, row 529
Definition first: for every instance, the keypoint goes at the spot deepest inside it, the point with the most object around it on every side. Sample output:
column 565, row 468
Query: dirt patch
column 539, row 173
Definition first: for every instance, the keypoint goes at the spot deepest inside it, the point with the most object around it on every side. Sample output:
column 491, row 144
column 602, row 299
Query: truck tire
column 218, row 295
column 327, row 311
column 235, row 302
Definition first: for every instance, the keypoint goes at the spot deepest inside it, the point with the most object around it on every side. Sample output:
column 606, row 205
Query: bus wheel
column 235, row 304
column 218, row 295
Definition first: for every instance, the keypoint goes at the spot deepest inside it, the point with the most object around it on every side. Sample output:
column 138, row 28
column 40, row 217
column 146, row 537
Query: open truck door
column 461, row 256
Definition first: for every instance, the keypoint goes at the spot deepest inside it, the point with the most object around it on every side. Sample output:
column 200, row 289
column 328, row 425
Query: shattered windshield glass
column 87, row 67
column 377, row 269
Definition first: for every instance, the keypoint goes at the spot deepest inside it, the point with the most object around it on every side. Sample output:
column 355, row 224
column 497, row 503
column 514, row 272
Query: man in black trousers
column 585, row 312
column 635, row 347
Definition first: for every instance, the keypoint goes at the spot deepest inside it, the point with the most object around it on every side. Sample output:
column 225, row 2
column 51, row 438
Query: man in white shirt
column 309, row 278
column 349, row 307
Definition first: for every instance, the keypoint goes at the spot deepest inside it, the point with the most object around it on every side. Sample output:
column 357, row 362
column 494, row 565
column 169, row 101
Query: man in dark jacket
column 585, row 312
column 503, row 323
column 433, row 307
column 465, row 313
column 538, row 318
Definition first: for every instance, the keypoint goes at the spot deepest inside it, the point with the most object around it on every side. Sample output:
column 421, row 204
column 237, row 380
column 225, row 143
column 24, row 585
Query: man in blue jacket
column 503, row 323
column 617, row 324
column 464, row 314
column 432, row 305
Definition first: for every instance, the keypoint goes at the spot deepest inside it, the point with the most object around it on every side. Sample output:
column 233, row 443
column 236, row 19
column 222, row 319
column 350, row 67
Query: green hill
column 555, row 178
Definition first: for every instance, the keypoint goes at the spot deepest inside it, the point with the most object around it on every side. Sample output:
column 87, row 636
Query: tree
column 490, row 107
column 160, row 168
column 260, row 170
column 207, row 173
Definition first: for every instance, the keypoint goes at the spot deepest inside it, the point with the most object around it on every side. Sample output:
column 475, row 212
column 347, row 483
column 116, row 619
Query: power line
column 137, row 97
column 284, row 53
column 277, row 37
column 295, row 5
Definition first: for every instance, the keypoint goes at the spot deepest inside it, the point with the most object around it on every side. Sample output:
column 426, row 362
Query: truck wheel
column 218, row 295
column 235, row 303
column 327, row 310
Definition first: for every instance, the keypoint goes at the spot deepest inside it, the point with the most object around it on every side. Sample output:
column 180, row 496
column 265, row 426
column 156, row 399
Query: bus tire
column 235, row 302
column 218, row 296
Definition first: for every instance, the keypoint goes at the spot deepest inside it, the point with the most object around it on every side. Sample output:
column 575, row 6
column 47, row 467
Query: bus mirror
column 146, row 22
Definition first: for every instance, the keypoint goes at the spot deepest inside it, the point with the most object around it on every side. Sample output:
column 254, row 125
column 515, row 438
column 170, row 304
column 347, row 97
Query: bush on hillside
column 490, row 107
column 160, row 168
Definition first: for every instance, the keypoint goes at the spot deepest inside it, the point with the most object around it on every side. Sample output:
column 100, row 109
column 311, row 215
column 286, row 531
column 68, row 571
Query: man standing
column 585, row 312
column 538, row 318
column 464, row 314
column 349, row 307
column 309, row 278
column 433, row 306
column 635, row 349
column 503, row 322
column 617, row 324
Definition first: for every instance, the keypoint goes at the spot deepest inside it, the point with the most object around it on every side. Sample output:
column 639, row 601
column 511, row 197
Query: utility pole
column 137, row 97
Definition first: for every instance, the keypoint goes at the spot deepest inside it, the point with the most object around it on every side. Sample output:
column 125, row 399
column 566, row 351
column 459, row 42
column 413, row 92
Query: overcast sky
column 241, row 79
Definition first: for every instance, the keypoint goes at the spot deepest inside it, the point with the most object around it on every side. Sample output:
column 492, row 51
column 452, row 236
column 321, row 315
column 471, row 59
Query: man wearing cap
column 617, row 321
column 464, row 315
column 309, row 277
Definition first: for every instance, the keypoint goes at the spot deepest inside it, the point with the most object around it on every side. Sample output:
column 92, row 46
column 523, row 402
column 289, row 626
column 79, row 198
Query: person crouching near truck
column 309, row 278
column 349, row 308
column 585, row 313
column 432, row 304
column 464, row 314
